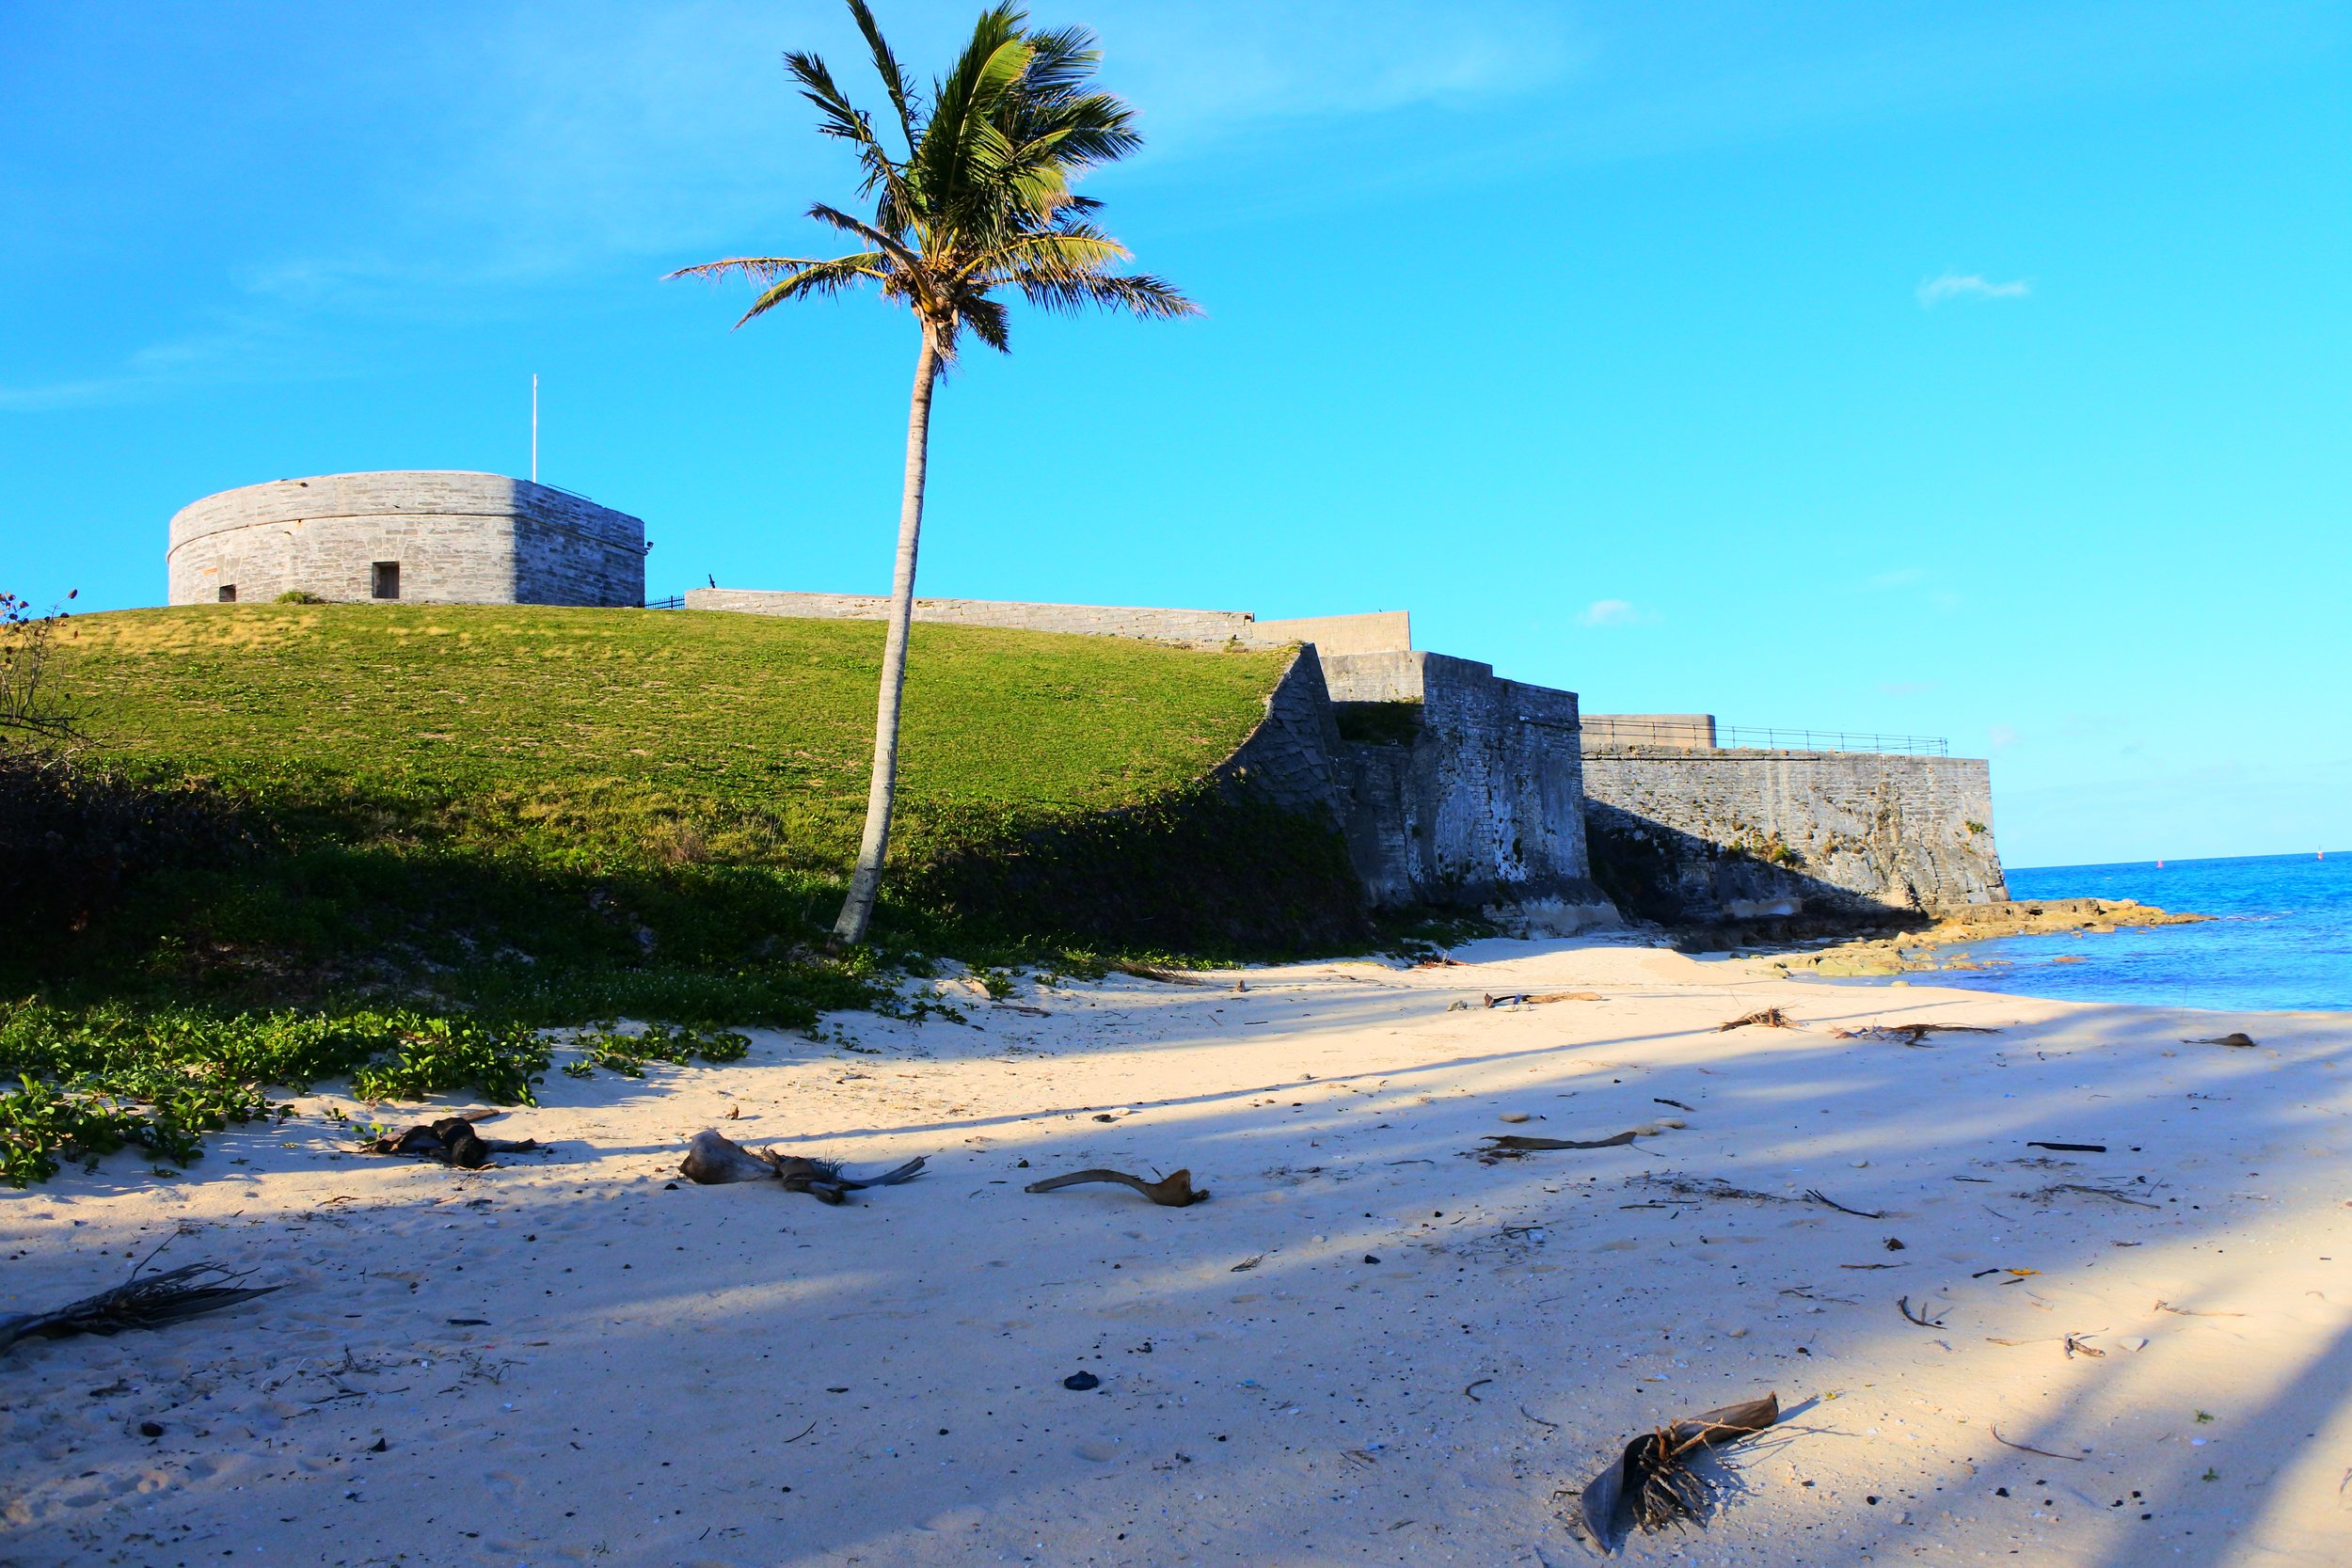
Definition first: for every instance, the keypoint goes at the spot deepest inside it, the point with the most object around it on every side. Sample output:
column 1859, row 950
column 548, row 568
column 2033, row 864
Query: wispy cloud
column 1973, row 285
column 243, row 349
column 1614, row 613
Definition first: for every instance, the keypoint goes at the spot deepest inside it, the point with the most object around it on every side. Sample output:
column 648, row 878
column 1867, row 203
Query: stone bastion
column 424, row 537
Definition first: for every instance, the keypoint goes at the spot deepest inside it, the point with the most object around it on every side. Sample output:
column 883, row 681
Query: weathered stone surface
column 1685, row 836
column 457, row 538
column 1294, row 756
column 1476, row 799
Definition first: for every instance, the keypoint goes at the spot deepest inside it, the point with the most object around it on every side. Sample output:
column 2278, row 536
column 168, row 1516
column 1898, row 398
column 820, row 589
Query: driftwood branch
column 713, row 1158
column 1511, row 1145
column 1902, row 1305
column 1174, row 1191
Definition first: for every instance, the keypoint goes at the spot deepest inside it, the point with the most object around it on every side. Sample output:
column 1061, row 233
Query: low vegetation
column 304, row 841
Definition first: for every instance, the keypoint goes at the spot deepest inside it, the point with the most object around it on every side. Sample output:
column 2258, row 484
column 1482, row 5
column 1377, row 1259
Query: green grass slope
column 556, row 810
column 625, row 735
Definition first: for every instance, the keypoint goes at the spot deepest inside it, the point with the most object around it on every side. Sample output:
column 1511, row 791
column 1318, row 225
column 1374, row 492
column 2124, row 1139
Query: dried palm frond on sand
column 150, row 1303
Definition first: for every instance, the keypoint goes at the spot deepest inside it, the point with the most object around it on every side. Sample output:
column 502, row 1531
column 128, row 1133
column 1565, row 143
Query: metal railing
column 676, row 601
column 1745, row 737
column 1701, row 732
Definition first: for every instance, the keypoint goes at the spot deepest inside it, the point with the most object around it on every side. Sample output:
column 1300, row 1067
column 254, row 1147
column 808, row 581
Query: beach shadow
column 734, row 1288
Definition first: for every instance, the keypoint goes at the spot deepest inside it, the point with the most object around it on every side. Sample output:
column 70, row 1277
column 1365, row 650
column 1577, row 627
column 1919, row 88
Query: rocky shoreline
column 1914, row 952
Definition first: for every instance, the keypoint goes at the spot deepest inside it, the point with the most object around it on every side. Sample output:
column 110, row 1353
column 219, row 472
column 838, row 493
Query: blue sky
column 1982, row 372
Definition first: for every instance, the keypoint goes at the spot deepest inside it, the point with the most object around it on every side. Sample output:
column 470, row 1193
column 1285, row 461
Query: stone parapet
column 1677, row 732
column 1379, row 632
column 1187, row 627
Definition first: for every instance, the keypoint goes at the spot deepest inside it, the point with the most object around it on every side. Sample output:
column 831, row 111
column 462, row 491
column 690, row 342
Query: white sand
column 740, row 1375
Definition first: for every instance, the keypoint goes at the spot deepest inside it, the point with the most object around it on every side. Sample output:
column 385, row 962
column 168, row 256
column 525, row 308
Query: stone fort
column 1450, row 784
column 421, row 537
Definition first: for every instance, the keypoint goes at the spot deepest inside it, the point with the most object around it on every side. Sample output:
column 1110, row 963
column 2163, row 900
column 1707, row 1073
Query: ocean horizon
column 2280, row 938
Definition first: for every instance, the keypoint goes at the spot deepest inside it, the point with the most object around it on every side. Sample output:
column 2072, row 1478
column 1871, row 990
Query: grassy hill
column 392, row 842
column 554, row 811
column 621, row 737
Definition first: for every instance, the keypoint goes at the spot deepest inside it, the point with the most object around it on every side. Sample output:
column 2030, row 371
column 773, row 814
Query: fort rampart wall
column 1685, row 836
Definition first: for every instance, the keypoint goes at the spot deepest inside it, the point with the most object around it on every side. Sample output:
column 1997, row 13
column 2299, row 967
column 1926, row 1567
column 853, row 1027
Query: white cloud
column 1613, row 612
column 1974, row 285
column 2002, row 735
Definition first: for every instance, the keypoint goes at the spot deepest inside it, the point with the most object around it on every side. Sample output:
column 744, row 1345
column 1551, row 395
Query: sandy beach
column 1369, row 1346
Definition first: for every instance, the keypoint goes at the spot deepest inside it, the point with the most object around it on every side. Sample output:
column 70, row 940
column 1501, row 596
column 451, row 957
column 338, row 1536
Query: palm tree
column 979, row 202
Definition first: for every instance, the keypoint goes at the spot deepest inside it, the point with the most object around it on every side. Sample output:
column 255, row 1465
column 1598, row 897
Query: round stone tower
column 418, row 537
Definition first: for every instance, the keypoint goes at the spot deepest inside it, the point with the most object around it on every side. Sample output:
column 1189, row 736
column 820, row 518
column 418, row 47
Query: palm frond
column 1065, row 57
column 840, row 118
column 1055, row 251
column 849, row 223
column 962, row 105
column 1139, row 294
column 758, row 268
column 837, row 116
column 153, row 1302
column 892, row 74
column 988, row 320
column 819, row 278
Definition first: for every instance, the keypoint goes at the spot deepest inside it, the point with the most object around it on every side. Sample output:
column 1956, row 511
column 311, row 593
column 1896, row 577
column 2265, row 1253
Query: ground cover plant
column 296, row 822
column 92, row 1080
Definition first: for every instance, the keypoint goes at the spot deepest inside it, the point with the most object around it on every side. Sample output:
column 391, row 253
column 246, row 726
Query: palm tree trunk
column 857, row 910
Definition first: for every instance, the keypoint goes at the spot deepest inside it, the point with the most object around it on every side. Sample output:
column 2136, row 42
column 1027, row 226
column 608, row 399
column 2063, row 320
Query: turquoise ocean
column 2280, row 937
